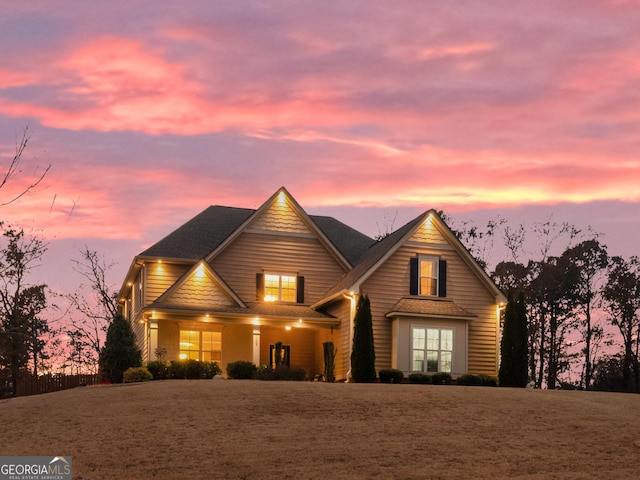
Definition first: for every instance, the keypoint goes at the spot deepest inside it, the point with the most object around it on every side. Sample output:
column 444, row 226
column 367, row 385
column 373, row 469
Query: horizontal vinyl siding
column 200, row 292
column 159, row 277
column 342, row 337
column 304, row 349
column 237, row 344
column 391, row 282
column 253, row 253
column 280, row 217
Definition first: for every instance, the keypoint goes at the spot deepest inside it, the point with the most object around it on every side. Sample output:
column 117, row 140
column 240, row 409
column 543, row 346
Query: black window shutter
column 259, row 286
column 300, row 289
column 442, row 278
column 413, row 276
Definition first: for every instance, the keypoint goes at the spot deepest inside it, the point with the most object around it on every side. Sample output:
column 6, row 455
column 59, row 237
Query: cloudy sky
column 149, row 111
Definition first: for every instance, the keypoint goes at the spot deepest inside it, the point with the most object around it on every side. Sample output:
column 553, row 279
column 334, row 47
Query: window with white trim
column 200, row 345
column 432, row 349
column 428, row 272
column 279, row 288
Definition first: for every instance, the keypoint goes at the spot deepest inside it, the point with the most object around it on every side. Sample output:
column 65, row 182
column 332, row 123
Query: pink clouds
column 354, row 104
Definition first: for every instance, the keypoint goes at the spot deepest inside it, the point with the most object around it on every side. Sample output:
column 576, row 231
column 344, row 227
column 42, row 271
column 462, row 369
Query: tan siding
column 342, row 337
column 428, row 233
column 200, row 291
column 280, row 217
column 237, row 344
column 141, row 338
column 159, row 277
column 253, row 253
column 391, row 282
column 136, row 295
column 304, row 350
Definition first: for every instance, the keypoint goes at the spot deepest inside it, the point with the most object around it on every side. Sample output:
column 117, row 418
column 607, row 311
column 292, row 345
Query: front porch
column 232, row 338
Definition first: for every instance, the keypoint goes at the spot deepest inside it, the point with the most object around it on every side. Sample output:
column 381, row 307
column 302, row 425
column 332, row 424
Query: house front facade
column 232, row 282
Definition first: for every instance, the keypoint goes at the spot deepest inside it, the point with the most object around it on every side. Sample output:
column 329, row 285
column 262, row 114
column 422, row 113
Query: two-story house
column 231, row 282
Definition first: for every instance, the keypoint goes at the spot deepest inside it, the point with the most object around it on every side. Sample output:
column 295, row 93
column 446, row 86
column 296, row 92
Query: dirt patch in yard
column 235, row 429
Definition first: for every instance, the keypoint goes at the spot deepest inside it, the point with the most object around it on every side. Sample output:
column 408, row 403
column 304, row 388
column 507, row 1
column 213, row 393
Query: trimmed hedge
column 477, row 380
column 441, row 378
column 420, row 378
column 136, row 374
column 159, row 369
column 296, row 374
column 391, row 375
column 193, row 369
column 241, row 370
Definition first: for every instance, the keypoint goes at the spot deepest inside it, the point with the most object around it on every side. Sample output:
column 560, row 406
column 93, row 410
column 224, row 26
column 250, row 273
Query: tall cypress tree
column 119, row 352
column 363, row 356
column 513, row 346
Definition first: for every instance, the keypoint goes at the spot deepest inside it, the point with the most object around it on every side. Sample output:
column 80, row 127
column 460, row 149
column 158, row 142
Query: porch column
column 256, row 346
column 153, row 339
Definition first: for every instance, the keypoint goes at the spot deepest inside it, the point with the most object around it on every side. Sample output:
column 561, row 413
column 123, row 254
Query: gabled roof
column 371, row 258
column 205, row 232
column 377, row 254
column 200, row 235
column 209, row 272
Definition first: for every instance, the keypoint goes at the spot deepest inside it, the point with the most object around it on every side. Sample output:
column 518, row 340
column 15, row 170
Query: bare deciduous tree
column 13, row 169
column 97, row 309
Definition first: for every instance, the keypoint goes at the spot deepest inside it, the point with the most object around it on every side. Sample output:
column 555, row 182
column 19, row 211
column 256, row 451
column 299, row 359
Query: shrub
column 211, row 369
column 330, row 352
column 158, row 369
column 241, row 370
column 363, row 355
column 136, row 374
column 488, row 380
column 391, row 375
column 441, row 378
column 420, row 378
column 469, row 380
column 119, row 351
column 193, row 369
column 297, row 374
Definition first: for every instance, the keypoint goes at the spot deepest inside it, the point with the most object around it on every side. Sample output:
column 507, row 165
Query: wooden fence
column 53, row 383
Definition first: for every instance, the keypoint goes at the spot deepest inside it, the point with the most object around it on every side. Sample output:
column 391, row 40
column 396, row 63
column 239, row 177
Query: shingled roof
column 207, row 230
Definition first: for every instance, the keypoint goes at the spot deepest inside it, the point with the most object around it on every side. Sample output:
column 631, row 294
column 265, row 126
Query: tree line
column 576, row 313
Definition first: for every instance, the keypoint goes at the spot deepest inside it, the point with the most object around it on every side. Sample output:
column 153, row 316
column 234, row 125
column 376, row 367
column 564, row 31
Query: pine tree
column 513, row 346
column 363, row 357
column 119, row 352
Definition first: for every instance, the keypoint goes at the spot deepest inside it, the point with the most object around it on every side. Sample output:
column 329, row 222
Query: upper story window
column 279, row 288
column 428, row 276
column 428, row 271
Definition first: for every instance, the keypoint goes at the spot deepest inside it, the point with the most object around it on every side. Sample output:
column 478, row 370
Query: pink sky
column 149, row 112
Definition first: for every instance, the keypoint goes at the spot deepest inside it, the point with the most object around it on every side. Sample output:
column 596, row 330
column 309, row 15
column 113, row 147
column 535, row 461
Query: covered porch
column 232, row 334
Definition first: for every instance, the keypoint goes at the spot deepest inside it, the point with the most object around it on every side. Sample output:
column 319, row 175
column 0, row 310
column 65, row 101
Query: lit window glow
column 200, row 345
column 279, row 288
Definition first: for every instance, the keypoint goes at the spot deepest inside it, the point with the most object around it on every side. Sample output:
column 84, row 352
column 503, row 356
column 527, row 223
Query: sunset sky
column 148, row 112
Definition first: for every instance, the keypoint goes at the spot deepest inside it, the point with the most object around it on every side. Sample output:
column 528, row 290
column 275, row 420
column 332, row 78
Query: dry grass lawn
column 215, row 429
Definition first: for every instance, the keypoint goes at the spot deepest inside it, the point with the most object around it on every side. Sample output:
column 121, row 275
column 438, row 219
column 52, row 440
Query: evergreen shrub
column 241, row 370
column 441, row 378
column 477, row 380
column 136, row 374
column 419, row 378
column 158, row 369
column 119, row 352
column 296, row 374
column 391, row 375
